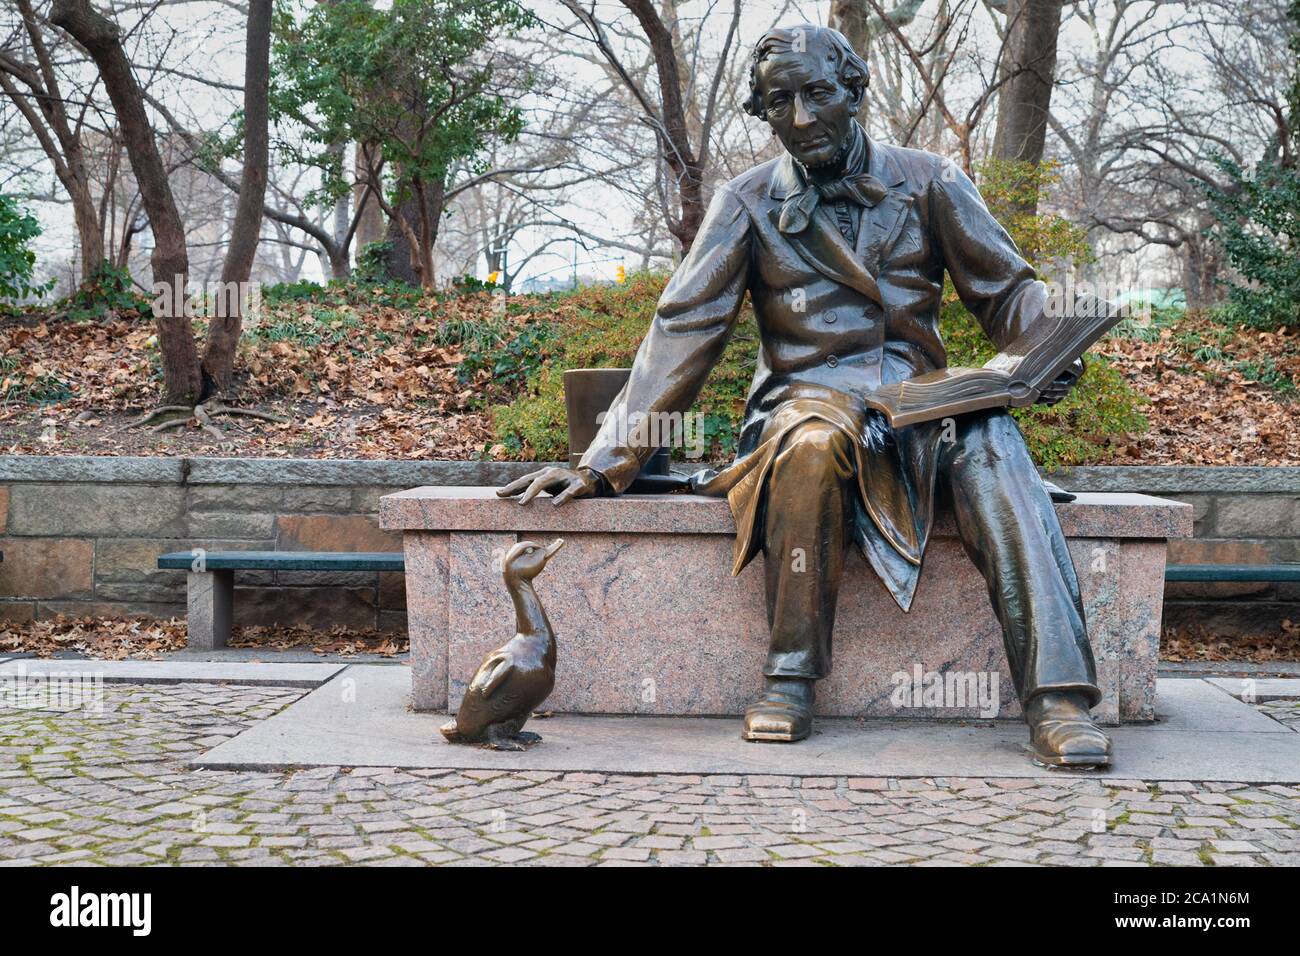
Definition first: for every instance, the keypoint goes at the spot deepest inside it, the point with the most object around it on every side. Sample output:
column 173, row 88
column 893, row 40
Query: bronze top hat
column 587, row 393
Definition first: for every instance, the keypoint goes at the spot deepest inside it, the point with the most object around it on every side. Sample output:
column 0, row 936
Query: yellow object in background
column 620, row 275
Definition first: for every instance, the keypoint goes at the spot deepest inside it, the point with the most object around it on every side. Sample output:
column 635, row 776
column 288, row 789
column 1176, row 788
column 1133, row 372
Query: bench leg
column 211, row 601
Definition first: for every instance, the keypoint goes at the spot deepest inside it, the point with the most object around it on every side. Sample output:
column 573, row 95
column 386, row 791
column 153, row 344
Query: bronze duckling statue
column 514, row 679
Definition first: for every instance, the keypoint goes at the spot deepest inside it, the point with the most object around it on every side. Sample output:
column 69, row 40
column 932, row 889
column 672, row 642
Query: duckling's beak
column 554, row 546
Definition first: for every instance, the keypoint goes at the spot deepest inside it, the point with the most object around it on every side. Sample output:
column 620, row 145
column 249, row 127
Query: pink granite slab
column 651, row 622
column 426, row 617
column 480, row 616
column 437, row 508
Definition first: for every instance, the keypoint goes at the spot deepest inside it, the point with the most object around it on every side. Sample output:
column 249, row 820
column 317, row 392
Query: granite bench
column 210, row 582
column 650, row 621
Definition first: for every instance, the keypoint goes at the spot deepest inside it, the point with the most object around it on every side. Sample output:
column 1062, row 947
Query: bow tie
column 861, row 188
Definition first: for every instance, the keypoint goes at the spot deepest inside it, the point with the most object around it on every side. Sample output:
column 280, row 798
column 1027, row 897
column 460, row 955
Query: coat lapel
column 881, row 224
column 821, row 245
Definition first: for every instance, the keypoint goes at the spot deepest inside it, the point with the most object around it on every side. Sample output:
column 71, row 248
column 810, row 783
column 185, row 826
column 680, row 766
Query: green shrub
column 1259, row 228
column 608, row 326
column 372, row 264
column 18, row 230
column 512, row 365
column 304, row 290
column 1147, row 328
column 474, row 334
column 19, row 384
column 107, row 289
column 1258, row 216
column 320, row 325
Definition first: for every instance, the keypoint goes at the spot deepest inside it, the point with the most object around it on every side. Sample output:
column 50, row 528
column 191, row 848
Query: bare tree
column 861, row 25
column 931, row 79
column 1025, row 99
column 684, row 148
column 1141, row 115
column 102, row 40
column 224, row 327
column 58, row 122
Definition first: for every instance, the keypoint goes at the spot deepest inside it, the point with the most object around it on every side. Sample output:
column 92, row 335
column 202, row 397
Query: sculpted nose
column 802, row 115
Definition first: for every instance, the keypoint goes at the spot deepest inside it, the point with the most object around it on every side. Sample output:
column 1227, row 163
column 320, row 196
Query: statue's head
column 807, row 83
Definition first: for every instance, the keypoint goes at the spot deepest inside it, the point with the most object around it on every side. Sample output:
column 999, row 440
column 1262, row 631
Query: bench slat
column 1232, row 572
column 287, row 560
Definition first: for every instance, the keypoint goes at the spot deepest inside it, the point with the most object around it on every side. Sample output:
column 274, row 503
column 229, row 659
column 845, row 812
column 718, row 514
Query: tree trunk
column 1026, row 96
column 60, row 139
column 401, row 258
column 675, row 140
column 692, row 197
column 245, row 234
column 90, row 231
column 370, row 228
column 413, row 238
column 340, row 263
column 850, row 18
column 1202, row 264
column 170, row 261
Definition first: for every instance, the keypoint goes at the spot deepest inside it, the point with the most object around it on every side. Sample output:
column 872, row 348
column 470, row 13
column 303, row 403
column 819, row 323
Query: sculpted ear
column 856, row 92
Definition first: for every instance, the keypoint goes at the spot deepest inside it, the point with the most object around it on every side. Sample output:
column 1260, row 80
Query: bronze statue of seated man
column 842, row 244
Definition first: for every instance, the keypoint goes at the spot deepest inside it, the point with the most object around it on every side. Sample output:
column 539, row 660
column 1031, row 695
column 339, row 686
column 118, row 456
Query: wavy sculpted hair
column 852, row 71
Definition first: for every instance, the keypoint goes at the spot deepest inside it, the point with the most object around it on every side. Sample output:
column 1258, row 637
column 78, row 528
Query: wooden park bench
column 211, row 580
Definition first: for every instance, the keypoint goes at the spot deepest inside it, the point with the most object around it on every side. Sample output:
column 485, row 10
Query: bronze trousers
column 1006, row 523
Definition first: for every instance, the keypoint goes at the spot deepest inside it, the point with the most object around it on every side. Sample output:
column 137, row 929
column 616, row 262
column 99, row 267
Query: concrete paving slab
column 1262, row 689
column 262, row 655
column 1229, row 668
column 362, row 718
column 175, row 672
column 1192, row 705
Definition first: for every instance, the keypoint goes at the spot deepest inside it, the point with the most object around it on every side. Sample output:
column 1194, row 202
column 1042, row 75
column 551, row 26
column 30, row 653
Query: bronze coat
column 835, row 322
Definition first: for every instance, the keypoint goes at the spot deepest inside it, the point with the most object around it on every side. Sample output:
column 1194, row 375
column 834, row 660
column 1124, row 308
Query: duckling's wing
column 493, row 673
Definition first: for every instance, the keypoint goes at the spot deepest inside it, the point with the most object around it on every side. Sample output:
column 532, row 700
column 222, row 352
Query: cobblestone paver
column 112, row 788
column 1283, row 711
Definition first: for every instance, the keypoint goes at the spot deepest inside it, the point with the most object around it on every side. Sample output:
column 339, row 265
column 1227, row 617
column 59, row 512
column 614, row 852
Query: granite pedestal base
column 650, row 621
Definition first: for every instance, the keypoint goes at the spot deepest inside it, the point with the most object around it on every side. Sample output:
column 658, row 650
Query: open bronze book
column 1014, row 377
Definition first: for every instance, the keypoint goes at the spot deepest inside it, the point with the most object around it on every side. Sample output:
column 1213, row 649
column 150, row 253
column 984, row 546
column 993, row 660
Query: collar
column 788, row 177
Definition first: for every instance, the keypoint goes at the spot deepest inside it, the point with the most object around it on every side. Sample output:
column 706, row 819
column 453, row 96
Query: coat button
column 832, row 361
column 831, row 318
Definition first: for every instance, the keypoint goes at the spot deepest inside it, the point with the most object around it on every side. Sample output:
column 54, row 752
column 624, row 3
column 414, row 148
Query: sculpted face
column 807, row 106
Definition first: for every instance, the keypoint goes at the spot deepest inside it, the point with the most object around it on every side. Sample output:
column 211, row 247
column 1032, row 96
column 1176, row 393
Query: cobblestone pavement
column 112, row 787
column 1286, row 712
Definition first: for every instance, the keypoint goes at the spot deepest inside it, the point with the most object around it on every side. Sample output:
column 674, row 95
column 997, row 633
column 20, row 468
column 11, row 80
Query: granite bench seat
column 210, row 581
column 650, row 621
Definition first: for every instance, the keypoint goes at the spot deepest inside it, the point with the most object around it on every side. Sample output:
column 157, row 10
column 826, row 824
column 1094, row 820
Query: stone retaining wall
column 81, row 535
column 1243, row 515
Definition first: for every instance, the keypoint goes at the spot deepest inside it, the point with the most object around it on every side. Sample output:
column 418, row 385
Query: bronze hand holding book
column 1015, row 377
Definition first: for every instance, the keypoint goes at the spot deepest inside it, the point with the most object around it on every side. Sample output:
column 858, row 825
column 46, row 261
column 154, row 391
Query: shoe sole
column 1069, row 761
column 773, row 738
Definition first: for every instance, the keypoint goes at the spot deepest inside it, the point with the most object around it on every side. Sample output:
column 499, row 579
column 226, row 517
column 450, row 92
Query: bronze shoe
column 783, row 714
column 1062, row 734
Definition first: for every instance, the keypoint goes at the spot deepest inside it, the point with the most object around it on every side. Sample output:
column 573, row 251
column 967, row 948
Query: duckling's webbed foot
column 508, row 737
